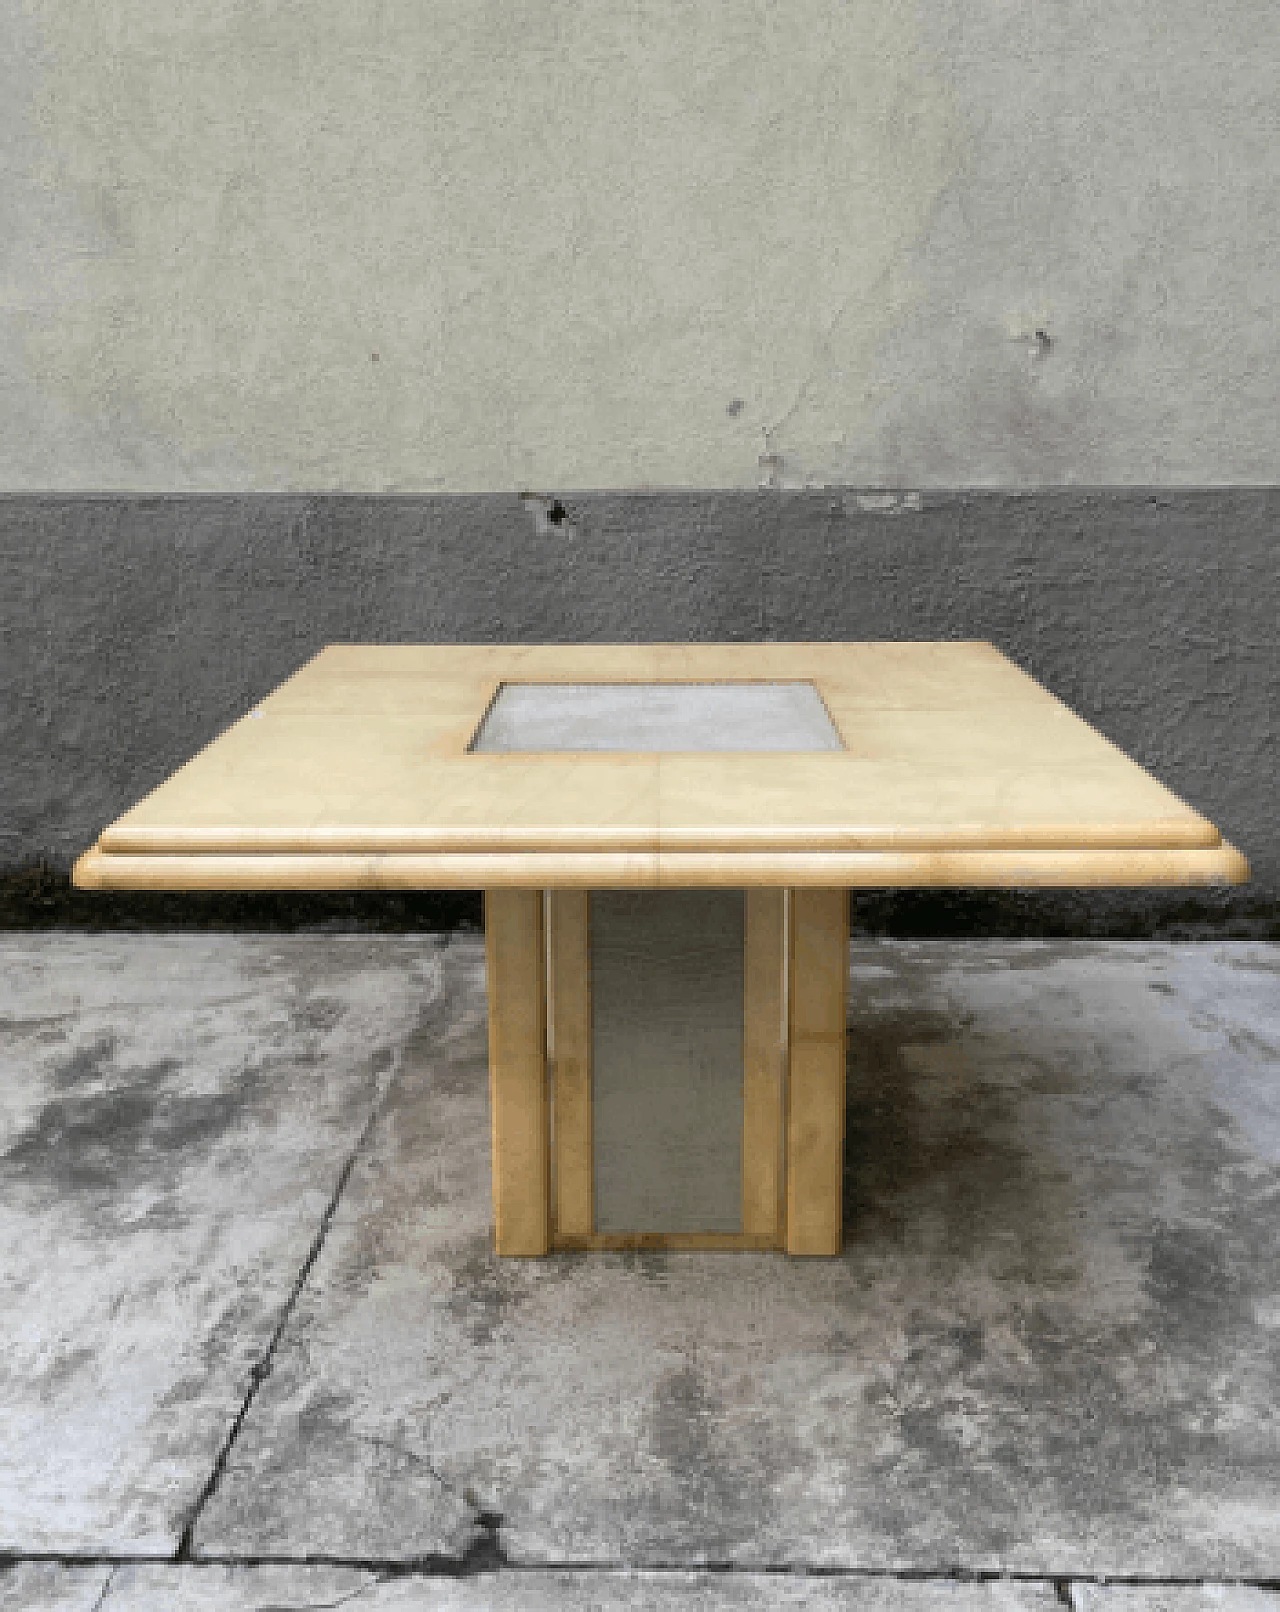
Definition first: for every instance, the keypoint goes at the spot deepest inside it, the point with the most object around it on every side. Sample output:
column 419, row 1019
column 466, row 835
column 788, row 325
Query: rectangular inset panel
column 656, row 716
column 764, row 1056
column 570, row 1028
column 667, row 989
column 520, row 1113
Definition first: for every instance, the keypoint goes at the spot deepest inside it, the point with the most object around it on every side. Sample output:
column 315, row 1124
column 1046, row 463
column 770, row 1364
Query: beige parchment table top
column 955, row 768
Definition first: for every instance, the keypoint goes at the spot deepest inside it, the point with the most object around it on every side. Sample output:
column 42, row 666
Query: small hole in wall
column 736, row 406
column 1044, row 341
column 557, row 513
column 374, row 358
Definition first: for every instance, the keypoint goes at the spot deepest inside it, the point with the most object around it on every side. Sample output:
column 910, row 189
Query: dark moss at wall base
column 42, row 898
column 1065, row 914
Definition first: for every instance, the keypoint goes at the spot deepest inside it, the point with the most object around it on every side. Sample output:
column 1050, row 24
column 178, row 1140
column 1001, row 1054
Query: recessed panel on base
column 667, row 1008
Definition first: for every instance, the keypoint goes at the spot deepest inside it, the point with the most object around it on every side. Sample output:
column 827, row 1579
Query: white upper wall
column 464, row 245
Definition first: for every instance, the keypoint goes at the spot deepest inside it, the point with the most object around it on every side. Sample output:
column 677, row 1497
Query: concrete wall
column 427, row 246
column 413, row 247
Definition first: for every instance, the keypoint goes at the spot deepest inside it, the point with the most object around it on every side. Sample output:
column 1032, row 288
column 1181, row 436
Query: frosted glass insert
column 656, row 716
column 667, row 1012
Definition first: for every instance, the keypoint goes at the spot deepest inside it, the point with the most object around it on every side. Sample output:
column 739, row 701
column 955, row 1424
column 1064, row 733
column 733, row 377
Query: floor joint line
column 261, row 1369
column 434, row 1564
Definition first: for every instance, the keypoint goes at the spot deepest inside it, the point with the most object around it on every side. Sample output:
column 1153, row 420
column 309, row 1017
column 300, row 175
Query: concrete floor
column 255, row 1350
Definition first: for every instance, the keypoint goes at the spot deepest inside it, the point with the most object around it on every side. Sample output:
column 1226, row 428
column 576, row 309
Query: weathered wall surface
column 422, row 246
column 730, row 250
column 133, row 631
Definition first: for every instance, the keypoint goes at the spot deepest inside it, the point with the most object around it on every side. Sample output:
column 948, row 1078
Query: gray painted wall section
column 132, row 630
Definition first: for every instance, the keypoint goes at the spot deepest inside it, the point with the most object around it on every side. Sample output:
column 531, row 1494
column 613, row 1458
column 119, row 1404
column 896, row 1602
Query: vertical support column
column 568, row 916
column 815, row 1088
column 515, row 958
column 763, row 1064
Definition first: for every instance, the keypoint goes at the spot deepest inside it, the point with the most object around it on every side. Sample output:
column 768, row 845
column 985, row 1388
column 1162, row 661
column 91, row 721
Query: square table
column 666, row 836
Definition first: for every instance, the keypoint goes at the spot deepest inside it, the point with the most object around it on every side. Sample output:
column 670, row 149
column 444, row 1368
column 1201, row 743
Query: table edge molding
column 335, row 871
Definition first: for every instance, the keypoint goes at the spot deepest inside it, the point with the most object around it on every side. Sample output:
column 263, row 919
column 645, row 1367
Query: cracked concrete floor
column 249, row 1318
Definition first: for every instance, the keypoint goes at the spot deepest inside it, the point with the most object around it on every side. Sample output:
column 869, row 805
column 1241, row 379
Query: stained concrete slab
column 1174, row 1598
column 175, row 1113
column 217, row 1587
column 294, row 1589
column 51, row 1587
column 1050, row 1346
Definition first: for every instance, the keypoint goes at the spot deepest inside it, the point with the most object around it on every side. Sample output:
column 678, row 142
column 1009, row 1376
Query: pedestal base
column 667, row 1068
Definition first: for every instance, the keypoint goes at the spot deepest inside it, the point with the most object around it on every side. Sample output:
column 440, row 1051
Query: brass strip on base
column 815, row 1083
column 519, row 1106
column 569, row 993
column 764, row 1064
